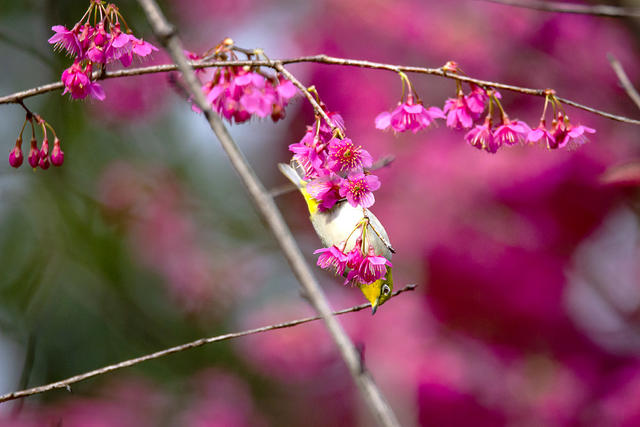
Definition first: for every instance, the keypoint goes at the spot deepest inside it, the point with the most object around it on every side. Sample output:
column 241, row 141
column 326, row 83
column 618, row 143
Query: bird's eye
column 386, row 290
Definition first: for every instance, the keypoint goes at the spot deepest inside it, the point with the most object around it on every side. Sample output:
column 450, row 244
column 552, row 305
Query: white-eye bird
column 336, row 225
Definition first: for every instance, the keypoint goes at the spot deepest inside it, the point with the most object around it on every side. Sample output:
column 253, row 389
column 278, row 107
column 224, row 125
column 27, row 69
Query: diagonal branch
column 273, row 218
column 624, row 80
column 318, row 59
column 581, row 9
column 66, row 383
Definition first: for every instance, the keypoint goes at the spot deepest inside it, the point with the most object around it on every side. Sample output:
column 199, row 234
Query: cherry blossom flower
column 325, row 189
column 574, row 135
column 541, row 133
column 309, row 152
column 510, row 132
column 408, row 115
column 78, row 82
column 358, row 189
column 476, row 100
column 332, row 258
column 66, row 39
column 371, row 268
column 459, row 115
column 482, row 138
column 344, row 155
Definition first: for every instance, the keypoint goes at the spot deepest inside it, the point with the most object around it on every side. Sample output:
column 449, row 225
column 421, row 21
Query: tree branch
column 319, row 59
column 624, row 80
column 177, row 349
column 581, row 9
column 273, row 218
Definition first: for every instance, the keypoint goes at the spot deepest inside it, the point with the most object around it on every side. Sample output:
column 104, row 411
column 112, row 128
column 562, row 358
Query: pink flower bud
column 57, row 155
column 44, row 163
column 34, row 154
column 44, row 150
column 15, row 157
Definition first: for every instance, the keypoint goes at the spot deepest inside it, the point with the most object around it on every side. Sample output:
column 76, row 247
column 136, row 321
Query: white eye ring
column 386, row 290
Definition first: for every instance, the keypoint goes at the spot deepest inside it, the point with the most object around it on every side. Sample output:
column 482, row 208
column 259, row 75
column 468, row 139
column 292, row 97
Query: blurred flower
column 219, row 399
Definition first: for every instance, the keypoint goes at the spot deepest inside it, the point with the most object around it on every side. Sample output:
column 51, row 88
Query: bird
column 338, row 224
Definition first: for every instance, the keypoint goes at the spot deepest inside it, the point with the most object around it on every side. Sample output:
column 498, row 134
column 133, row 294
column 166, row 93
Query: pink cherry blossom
column 66, row 39
column 408, row 115
column 344, row 155
column 541, row 133
column 510, row 132
column 372, row 268
column 574, row 135
column 78, row 82
column 476, row 100
column 325, row 189
column 358, row 189
column 309, row 152
column 459, row 115
column 482, row 138
column 332, row 258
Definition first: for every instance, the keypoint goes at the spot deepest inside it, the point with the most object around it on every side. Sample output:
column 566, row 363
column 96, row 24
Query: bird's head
column 379, row 291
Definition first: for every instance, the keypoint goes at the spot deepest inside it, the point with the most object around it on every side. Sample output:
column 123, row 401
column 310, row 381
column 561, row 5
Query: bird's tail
column 293, row 174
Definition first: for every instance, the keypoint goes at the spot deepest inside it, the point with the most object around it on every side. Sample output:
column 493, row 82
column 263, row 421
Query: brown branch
column 66, row 383
column 581, row 9
column 624, row 79
column 273, row 218
column 319, row 59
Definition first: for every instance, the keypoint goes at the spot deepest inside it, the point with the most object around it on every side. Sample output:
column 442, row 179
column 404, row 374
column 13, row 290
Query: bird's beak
column 374, row 306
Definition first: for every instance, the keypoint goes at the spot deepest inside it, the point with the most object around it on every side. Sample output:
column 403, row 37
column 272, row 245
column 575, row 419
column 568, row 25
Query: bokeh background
column 527, row 311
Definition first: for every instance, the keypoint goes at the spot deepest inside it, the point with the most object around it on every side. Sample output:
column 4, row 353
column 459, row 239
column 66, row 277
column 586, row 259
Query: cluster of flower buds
column 38, row 157
column 334, row 166
column 239, row 93
column 365, row 267
column 465, row 112
column 94, row 41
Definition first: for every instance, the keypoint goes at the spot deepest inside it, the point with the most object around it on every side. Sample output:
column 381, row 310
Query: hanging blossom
column 95, row 43
column 362, row 266
column 408, row 115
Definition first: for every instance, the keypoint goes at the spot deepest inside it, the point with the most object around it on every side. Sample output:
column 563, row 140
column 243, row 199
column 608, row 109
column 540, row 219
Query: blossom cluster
column 239, row 93
column 465, row 112
column 94, row 43
column 365, row 267
column 38, row 157
column 334, row 166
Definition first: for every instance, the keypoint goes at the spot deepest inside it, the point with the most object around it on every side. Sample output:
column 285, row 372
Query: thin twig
column 581, row 9
column 273, row 218
column 319, row 59
column 177, row 349
column 624, row 79
column 316, row 106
